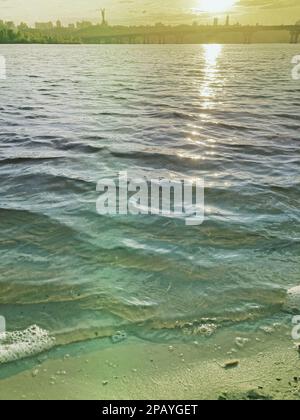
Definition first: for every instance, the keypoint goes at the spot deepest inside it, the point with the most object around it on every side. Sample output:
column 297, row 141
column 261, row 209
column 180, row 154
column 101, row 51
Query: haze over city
column 130, row 12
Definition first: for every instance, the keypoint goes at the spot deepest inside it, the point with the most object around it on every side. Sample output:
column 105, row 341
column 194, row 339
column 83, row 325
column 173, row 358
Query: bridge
column 161, row 34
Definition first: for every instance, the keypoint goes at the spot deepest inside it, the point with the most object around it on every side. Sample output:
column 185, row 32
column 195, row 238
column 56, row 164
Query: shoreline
column 145, row 45
column 142, row 370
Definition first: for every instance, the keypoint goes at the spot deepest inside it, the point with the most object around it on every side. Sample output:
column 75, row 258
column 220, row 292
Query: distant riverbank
column 48, row 33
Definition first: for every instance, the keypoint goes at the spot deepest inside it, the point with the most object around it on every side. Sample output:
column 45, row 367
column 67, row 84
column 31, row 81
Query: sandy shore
column 139, row 370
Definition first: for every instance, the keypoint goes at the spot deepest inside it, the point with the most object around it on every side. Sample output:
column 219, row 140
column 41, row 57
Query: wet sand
column 140, row 370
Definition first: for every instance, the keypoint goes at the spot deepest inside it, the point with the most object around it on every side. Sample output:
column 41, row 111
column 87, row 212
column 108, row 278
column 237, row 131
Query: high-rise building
column 103, row 19
column 227, row 20
column 216, row 21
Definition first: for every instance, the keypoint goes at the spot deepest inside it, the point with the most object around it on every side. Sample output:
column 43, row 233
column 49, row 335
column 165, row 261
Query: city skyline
column 140, row 12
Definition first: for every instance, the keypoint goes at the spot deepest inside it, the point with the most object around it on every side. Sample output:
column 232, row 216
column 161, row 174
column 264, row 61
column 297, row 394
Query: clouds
column 269, row 4
column 145, row 11
column 269, row 11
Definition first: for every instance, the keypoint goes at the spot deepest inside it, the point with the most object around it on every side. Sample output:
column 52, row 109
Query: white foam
column 20, row 344
column 119, row 336
column 292, row 302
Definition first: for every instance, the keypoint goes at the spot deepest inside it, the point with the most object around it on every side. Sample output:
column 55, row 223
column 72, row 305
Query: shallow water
column 71, row 115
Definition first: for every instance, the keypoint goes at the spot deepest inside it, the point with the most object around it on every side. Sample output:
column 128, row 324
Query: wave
column 21, row 160
column 18, row 345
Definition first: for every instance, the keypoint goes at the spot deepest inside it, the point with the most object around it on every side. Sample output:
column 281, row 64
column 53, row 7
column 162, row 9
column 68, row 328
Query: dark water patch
column 28, row 160
column 176, row 115
column 77, row 146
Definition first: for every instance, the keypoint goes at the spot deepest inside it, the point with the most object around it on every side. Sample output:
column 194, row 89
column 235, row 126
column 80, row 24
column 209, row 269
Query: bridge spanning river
column 165, row 34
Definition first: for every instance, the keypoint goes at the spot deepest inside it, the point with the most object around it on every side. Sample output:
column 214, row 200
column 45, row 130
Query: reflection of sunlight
column 211, row 55
column 210, row 83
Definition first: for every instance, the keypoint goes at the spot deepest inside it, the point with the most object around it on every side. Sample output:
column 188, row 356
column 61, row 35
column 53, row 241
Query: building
column 216, row 21
column 228, row 21
column 103, row 19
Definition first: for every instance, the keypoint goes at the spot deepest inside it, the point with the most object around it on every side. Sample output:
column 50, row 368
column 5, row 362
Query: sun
column 216, row 6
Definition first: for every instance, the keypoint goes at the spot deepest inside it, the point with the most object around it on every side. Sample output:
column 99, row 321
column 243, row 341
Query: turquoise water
column 71, row 115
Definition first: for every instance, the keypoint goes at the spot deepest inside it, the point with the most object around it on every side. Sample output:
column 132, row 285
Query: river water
column 71, row 115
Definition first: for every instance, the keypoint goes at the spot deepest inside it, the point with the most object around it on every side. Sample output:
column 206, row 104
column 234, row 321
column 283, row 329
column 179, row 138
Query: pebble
column 231, row 364
column 104, row 383
column 35, row 373
column 61, row 372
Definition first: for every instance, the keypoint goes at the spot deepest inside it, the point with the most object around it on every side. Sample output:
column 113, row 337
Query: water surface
column 71, row 115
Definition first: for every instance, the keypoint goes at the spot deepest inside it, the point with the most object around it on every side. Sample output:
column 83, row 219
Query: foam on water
column 20, row 344
column 292, row 302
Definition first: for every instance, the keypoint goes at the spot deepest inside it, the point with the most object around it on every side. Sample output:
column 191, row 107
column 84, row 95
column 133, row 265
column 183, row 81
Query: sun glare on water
column 216, row 6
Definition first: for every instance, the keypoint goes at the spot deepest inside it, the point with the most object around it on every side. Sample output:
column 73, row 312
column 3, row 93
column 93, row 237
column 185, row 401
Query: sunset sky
column 151, row 11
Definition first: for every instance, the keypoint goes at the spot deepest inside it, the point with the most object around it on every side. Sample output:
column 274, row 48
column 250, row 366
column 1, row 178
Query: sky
column 130, row 12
